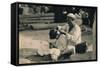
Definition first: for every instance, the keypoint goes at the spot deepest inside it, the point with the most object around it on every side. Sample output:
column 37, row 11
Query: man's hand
column 62, row 32
column 65, row 33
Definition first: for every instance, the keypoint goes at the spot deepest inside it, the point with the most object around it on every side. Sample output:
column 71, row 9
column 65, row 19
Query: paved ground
column 30, row 41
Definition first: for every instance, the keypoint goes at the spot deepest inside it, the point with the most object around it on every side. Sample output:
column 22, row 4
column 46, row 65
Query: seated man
column 69, row 36
column 73, row 35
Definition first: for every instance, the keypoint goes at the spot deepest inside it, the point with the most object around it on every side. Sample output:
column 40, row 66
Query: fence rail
column 36, row 18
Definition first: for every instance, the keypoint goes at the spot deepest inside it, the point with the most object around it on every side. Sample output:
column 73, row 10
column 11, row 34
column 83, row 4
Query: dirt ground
column 31, row 40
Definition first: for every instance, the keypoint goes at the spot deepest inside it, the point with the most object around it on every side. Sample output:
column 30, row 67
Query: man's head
column 54, row 33
column 71, row 17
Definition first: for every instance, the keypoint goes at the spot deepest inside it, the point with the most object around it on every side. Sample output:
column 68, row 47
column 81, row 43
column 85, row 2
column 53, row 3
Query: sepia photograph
column 51, row 33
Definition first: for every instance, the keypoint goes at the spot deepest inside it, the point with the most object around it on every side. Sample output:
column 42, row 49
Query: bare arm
column 76, row 33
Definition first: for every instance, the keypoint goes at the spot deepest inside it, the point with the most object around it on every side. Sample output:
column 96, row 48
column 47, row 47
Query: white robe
column 66, row 42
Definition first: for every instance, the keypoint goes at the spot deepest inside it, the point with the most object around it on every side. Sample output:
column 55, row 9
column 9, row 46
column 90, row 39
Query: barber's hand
column 65, row 33
column 62, row 32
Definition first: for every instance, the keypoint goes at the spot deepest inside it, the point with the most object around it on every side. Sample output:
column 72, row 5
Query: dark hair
column 52, row 34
